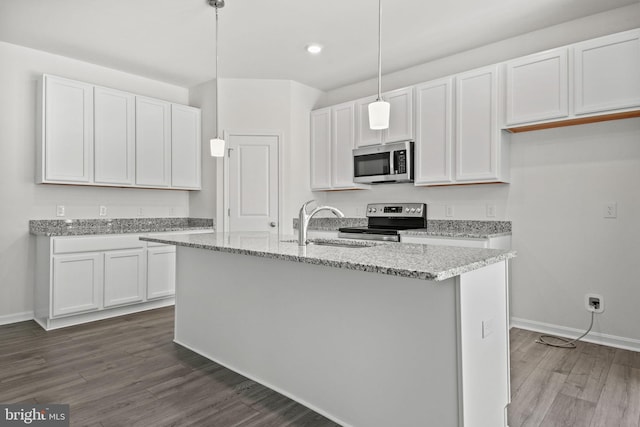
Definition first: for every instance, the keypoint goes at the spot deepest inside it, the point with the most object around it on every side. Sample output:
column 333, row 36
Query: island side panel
column 364, row 349
column 484, row 345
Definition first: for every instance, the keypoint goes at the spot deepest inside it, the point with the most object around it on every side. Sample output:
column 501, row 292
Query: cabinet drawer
column 62, row 245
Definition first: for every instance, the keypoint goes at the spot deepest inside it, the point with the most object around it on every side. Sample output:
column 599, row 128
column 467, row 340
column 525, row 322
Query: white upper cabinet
column 400, row 119
column 400, row 116
column 434, row 132
column 479, row 156
column 65, row 151
column 114, row 137
column 537, row 87
column 153, row 143
column 364, row 134
column 332, row 143
column 321, row 149
column 91, row 135
column 342, row 145
column 607, row 73
column 185, row 147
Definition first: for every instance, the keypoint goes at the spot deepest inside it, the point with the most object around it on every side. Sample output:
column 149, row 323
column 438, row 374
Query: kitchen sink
column 335, row 243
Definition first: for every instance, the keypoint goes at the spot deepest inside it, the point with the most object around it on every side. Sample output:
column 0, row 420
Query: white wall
column 202, row 204
column 281, row 106
column 23, row 200
column 560, row 180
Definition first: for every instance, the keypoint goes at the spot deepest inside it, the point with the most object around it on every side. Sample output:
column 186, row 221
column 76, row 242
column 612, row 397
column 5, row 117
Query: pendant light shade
column 216, row 145
column 379, row 110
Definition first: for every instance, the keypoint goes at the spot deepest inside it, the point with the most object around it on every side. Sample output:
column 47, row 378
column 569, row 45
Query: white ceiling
column 172, row 40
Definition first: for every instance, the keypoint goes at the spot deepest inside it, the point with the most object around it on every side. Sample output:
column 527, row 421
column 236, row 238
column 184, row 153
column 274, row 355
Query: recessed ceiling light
column 314, row 48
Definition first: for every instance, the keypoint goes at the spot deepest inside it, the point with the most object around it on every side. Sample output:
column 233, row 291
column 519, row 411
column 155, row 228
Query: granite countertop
column 424, row 262
column 458, row 228
column 81, row 227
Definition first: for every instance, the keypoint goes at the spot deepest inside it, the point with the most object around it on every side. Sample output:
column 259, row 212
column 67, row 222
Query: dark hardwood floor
column 127, row 372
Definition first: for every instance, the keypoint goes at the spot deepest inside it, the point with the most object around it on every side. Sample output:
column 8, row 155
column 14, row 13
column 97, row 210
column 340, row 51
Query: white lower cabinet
column 124, row 277
column 85, row 278
column 78, row 282
column 161, row 271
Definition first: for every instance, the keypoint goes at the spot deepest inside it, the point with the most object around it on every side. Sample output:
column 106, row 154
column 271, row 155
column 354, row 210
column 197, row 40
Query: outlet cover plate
column 610, row 210
column 588, row 307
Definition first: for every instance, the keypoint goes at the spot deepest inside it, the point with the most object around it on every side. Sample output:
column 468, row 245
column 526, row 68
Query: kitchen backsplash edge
column 76, row 227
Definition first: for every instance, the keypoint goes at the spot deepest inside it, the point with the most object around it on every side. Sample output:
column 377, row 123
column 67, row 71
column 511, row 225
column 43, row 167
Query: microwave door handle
column 391, row 162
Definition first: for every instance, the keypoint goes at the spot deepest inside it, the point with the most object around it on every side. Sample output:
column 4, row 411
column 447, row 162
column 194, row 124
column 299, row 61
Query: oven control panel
column 411, row 210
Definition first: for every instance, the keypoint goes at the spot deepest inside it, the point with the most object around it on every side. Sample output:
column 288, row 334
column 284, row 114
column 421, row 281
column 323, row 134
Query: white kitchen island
column 389, row 335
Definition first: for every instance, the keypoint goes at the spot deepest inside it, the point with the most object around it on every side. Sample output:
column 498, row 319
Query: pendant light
column 379, row 110
column 217, row 144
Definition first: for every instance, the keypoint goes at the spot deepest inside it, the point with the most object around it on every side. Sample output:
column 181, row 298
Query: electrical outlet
column 172, row 211
column 610, row 210
column 594, row 302
column 491, row 211
column 140, row 212
column 60, row 210
column 448, row 210
column 360, row 212
column 103, row 211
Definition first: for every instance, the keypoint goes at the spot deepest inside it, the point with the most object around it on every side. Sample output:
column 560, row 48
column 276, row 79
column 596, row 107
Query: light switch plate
column 103, row 211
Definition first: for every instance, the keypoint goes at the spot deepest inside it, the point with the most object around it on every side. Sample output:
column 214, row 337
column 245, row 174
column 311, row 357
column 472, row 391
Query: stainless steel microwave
column 386, row 163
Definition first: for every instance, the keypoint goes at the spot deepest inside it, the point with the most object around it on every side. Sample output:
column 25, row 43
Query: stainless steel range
column 385, row 220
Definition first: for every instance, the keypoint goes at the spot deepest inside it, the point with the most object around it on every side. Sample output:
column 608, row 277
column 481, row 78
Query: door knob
column 272, row 224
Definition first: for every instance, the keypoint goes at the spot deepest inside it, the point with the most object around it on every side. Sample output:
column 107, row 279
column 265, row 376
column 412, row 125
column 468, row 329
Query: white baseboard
column 16, row 317
column 563, row 331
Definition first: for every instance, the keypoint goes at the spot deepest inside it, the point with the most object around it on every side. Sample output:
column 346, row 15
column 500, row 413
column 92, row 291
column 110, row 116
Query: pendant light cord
column 379, row 50
column 217, row 75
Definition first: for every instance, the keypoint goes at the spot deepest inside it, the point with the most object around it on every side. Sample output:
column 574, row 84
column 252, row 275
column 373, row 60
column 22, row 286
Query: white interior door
column 252, row 163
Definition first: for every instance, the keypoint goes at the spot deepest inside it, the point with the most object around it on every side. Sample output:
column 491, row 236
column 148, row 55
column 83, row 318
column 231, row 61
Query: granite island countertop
column 426, row 262
column 82, row 227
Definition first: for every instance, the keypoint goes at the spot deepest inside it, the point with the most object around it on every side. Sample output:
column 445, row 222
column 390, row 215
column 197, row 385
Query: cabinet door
column 77, row 283
column 185, row 147
column 477, row 131
column 400, row 116
column 343, row 143
column 537, row 87
column 321, row 149
column 124, row 277
column 161, row 271
column 67, row 130
column 153, row 144
column 607, row 73
column 364, row 134
column 434, row 132
column 114, row 136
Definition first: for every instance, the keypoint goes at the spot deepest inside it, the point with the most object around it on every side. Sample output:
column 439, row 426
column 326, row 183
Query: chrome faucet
column 304, row 218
